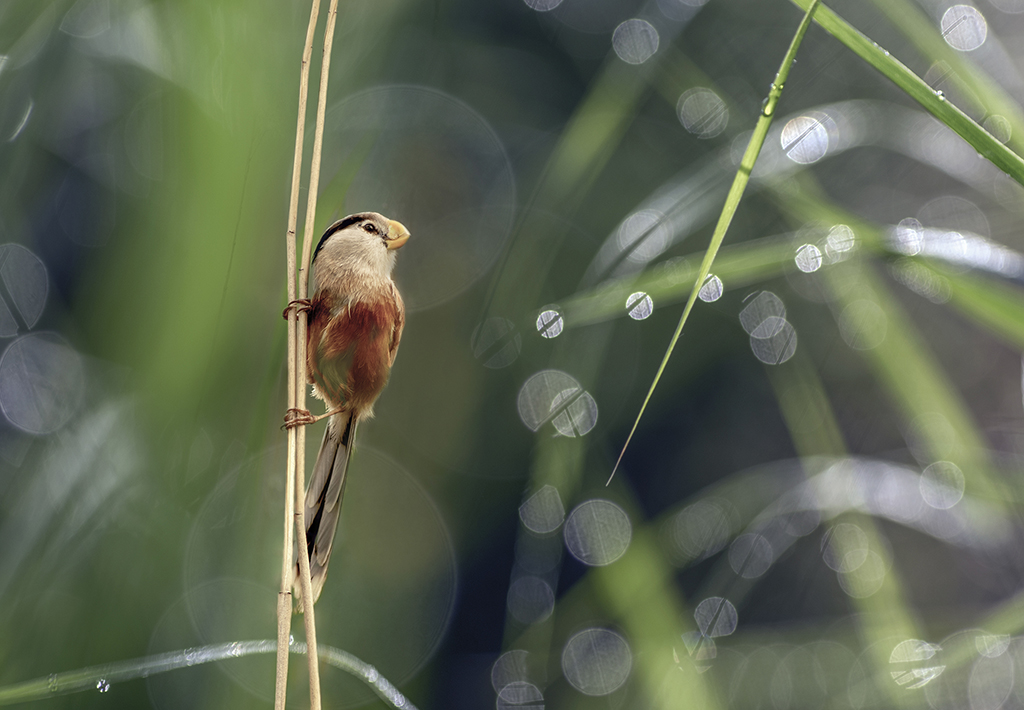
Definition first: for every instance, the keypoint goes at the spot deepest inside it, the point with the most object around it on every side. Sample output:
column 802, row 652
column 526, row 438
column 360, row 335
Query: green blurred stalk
column 915, row 382
column 884, row 614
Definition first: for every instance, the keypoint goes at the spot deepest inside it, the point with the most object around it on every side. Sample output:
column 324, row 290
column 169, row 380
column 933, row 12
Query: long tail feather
column 323, row 500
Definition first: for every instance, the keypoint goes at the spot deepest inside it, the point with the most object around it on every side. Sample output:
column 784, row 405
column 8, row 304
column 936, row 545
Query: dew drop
column 103, row 685
column 635, row 41
column 805, row 139
column 750, row 555
column 597, row 661
column 543, row 512
column 910, row 666
column 711, row 290
column 840, row 240
column 940, row 96
column 598, row 532
column 992, row 646
column 639, row 305
column 808, row 258
column 909, row 236
column 763, row 315
column 511, row 667
column 520, row 695
column 964, row 28
column 716, row 616
column 41, row 383
column 703, row 113
column 549, row 324
column 700, row 647
column 573, row 413
column 553, row 396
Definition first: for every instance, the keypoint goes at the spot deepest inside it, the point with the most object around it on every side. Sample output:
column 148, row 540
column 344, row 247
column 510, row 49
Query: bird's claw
column 298, row 305
column 294, row 417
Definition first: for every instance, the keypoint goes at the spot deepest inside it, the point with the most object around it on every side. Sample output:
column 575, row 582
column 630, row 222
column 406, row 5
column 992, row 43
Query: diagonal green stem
column 732, row 201
column 932, row 101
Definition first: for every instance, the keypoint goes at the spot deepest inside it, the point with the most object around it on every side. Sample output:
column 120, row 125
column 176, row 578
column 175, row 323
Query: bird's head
column 366, row 240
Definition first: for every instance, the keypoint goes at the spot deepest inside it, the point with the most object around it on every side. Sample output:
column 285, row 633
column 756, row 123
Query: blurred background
column 822, row 504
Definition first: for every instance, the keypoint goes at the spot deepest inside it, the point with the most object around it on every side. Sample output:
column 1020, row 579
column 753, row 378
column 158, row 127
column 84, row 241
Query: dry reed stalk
column 284, row 597
column 300, row 377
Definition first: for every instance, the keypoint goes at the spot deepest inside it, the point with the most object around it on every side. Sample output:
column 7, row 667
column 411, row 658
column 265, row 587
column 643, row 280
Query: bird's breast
column 353, row 354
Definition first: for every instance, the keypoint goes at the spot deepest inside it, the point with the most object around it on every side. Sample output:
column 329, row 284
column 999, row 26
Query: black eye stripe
column 343, row 224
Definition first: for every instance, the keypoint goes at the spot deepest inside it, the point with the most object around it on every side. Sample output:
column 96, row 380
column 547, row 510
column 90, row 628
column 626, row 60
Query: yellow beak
column 397, row 234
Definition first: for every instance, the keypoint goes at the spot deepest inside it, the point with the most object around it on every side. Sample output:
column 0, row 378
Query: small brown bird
column 355, row 324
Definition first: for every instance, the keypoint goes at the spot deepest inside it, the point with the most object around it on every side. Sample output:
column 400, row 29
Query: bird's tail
column 323, row 501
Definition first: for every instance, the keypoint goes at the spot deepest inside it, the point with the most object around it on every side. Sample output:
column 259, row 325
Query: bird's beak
column 397, row 234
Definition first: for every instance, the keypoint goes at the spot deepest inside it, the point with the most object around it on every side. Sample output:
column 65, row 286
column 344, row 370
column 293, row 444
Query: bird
column 356, row 317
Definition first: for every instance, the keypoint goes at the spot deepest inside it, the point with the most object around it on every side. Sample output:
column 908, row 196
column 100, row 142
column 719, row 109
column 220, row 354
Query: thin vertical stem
column 284, row 597
column 303, row 285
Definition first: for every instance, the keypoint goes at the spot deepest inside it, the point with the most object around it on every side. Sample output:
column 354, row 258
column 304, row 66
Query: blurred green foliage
column 821, row 506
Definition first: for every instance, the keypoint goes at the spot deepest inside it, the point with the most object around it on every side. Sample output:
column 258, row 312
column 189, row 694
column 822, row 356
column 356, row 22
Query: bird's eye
column 370, row 227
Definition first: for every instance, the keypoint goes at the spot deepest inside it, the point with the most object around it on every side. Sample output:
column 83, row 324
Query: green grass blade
column 971, row 83
column 732, row 201
column 915, row 87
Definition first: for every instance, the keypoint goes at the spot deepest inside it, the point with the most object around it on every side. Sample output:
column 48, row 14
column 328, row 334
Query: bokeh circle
column 390, row 589
column 425, row 158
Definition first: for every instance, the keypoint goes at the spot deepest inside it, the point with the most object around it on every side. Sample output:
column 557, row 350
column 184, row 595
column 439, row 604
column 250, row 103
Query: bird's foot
column 294, row 417
column 301, row 417
column 299, row 305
